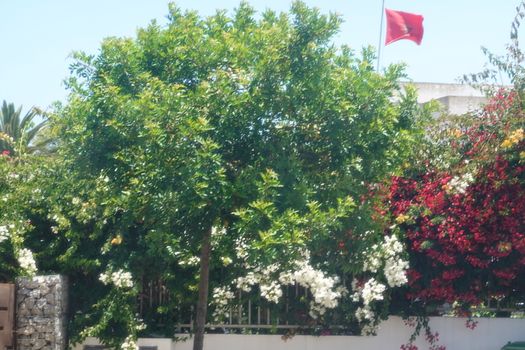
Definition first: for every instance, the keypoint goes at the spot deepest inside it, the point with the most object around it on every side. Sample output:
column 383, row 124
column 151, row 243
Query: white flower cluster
column 119, row 278
column 221, row 297
column 14, row 230
column 26, row 261
column 257, row 276
column 365, row 313
column 129, row 344
column 395, row 267
column 372, row 291
column 271, row 292
column 459, row 184
column 140, row 326
column 241, row 249
column 245, row 283
column 4, row 233
column 373, row 262
column 395, row 272
column 387, row 256
column 325, row 293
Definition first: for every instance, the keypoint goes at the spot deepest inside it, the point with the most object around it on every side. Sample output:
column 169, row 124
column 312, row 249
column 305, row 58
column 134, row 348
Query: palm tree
column 17, row 134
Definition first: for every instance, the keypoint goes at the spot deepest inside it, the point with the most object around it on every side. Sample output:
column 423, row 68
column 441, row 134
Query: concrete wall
column 455, row 98
column 462, row 104
column 433, row 91
column 490, row 334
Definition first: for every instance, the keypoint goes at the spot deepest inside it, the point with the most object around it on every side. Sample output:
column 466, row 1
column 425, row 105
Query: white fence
column 490, row 334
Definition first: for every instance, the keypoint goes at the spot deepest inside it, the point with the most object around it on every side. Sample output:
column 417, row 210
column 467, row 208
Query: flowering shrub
column 384, row 267
column 464, row 221
column 326, row 291
column 119, row 278
column 15, row 258
column 26, row 261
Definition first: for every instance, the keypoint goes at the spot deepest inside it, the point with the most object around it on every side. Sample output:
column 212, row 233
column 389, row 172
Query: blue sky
column 38, row 36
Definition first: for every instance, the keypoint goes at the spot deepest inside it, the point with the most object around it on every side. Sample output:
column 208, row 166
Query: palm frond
column 21, row 129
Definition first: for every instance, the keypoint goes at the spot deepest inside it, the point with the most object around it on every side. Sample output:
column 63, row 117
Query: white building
column 456, row 98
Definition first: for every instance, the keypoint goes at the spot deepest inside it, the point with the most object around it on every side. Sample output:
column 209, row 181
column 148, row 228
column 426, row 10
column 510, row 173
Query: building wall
column 462, row 104
column 433, row 91
column 455, row 98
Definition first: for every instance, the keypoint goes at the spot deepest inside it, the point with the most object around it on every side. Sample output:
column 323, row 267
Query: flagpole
column 380, row 36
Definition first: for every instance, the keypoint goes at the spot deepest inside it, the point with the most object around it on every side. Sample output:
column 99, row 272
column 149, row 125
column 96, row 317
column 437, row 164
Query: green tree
column 248, row 142
column 17, row 133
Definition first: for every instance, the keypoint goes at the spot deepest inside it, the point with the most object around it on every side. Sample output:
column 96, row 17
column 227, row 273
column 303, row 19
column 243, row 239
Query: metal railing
column 248, row 310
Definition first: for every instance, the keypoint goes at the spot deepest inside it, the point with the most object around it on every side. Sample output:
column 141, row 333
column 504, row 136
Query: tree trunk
column 202, row 303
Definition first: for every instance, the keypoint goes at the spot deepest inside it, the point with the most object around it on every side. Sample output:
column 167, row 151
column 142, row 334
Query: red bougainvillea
column 465, row 226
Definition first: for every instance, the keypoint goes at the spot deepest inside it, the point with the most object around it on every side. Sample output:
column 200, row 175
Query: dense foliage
column 252, row 128
column 461, row 207
column 298, row 165
column 464, row 218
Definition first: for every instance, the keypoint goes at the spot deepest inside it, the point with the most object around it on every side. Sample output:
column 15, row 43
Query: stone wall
column 41, row 310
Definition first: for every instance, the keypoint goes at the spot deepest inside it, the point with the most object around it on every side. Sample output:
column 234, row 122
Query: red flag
column 403, row 25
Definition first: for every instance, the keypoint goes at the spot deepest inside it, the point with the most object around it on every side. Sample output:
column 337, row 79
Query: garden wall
column 490, row 334
column 41, row 313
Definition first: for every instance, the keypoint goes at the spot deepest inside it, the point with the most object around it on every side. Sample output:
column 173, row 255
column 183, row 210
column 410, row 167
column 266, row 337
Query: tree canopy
column 250, row 136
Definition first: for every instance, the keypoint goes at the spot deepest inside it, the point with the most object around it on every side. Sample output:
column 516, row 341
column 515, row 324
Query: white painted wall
column 433, row 91
column 455, row 98
column 462, row 104
column 490, row 334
